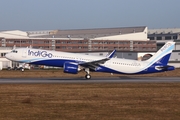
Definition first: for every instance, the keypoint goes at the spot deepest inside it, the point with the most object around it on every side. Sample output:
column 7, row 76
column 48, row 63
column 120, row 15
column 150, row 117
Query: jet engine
column 70, row 67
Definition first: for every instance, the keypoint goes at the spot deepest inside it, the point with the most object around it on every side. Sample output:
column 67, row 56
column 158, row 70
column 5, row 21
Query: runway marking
column 93, row 80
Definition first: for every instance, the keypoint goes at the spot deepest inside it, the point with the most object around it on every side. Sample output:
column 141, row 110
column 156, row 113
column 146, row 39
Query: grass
column 122, row 101
column 90, row 101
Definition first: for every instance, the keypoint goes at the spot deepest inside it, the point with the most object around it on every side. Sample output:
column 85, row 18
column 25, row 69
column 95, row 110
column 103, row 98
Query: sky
column 32, row 15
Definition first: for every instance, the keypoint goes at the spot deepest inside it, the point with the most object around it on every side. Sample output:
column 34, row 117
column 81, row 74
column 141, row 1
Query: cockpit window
column 14, row 51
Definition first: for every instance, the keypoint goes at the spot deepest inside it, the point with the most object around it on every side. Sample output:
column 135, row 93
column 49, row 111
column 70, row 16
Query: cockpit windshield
column 14, row 51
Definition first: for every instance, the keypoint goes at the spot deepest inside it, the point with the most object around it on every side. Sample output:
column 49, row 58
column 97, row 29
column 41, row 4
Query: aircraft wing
column 94, row 64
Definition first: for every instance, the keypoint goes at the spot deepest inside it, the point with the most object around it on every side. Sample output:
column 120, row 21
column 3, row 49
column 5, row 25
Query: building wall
column 176, row 65
column 81, row 45
column 177, row 46
column 175, row 56
column 127, row 55
column 118, row 54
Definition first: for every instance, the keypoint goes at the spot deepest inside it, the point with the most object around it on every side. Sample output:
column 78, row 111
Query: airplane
column 73, row 62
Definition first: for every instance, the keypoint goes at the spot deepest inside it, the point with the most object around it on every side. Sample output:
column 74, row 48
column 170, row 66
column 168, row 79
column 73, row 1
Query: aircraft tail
column 163, row 54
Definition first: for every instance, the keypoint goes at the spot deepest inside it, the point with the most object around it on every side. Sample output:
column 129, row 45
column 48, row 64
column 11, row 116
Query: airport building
column 104, row 39
column 164, row 35
column 130, row 42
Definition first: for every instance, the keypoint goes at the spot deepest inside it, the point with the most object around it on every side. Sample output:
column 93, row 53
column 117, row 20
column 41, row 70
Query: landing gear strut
column 87, row 76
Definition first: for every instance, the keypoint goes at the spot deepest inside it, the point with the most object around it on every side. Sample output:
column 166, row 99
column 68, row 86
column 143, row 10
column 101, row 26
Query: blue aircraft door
column 24, row 53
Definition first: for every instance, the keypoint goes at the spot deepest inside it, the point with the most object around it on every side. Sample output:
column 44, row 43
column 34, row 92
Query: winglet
column 111, row 54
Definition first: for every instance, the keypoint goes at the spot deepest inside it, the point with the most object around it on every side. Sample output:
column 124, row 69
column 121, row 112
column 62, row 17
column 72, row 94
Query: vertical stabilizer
column 163, row 54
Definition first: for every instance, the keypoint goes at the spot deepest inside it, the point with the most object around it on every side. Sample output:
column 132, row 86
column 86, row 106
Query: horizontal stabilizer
column 165, row 68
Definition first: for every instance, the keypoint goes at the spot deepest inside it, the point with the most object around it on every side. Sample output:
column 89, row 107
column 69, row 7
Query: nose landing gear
column 22, row 69
column 87, row 76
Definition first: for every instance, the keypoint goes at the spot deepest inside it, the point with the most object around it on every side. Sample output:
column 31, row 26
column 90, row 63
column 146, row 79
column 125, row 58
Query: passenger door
column 24, row 53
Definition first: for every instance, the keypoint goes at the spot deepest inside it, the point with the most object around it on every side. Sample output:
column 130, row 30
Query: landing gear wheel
column 88, row 76
column 22, row 69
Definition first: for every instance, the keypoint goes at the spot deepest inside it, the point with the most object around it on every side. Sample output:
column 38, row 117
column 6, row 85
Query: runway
column 93, row 80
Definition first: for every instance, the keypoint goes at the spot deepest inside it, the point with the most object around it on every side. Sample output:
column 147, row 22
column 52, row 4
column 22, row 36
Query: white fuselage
column 27, row 55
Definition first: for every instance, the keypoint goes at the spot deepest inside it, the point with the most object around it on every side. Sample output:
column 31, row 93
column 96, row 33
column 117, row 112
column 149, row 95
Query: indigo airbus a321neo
column 74, row 62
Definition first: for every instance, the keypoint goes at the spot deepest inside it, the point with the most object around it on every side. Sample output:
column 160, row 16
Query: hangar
column 122, row 33
column 124, row 39
column 128, row 41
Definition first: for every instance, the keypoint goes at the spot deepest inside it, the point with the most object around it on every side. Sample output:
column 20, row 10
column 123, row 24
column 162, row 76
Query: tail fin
column 163, row 55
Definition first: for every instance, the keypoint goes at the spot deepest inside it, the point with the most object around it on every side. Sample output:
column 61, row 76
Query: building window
column 3, row 54
column 11, row 41
column 151, row 38
column 159, row 38
column 46, row 41
column 175, row 37
column 23, row 42
column 95, row 42
column 168, row 38
column 58, row 42
column 16, row 41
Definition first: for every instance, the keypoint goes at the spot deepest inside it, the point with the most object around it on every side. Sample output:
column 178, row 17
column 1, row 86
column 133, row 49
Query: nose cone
column 7, row 56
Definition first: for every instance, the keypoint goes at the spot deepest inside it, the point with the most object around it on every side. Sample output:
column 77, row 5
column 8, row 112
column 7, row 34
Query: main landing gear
column 22, row 68
column 87, row 76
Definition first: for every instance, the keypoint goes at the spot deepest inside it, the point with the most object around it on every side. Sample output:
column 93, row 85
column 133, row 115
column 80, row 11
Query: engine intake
column 70, row 67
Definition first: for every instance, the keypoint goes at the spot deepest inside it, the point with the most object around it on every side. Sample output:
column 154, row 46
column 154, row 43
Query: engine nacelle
column 70, row 67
